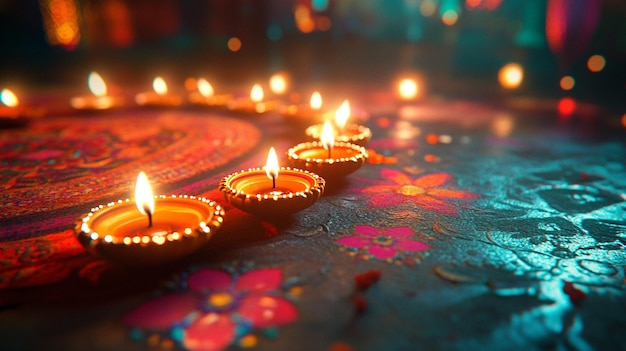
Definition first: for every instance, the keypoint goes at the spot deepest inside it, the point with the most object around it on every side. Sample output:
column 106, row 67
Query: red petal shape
column 436, row 205
column 451, row 194
column 432, row 180
column 162, row 312
column 382, row 252
column 388, row 200
column 399, row 232
column 206, row 280
column 380, row 189
column 354, row 241
column 267, row 311
column 397, row 177
column 367, row 230
column 259, row 280
column 211, row 332
column 411, row 245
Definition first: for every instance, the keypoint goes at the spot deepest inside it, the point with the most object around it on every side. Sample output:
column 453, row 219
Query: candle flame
column 278, row 83
column 316, row 101
column 256, row 94
column 159, row 86
column 271, row 167
column 96, row 84
column 328, row 136
column 143, row 195
column 8, row 98
column 408, row 89
column 342, row 114
column 205, row 88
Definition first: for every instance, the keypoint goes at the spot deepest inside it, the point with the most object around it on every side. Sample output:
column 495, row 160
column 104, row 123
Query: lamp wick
column 149, row 218
column 273, row 182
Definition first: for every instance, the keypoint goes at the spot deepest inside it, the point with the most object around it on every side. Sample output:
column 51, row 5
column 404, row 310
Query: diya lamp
column 205, row 96
column 160, row 97
column 98, row 100
column 272, row 191
column 305, row 113
column 256, row 103
column 326, row 157
column 350, row 133
column 150, row 230
column 12, row 114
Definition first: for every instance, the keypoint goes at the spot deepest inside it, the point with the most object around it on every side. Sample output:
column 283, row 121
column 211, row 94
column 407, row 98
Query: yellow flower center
column 411, row 190
column 383, row 240
column 220, row 299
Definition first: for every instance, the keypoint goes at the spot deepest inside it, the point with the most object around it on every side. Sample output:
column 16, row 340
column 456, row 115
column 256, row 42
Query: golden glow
column 278, row 83
column 143, row 194
column 302, row 16
column 256, row 93
column 502, row 125
column 328, row 136
column 205, row 88
column 96, row 84
column 220, row 299
column 159, row 86
column 428, row 8
column 234, row 44
column 624, row 120
column 449, row 17
column 342, row 115
column 316, row 101
column 407, row 89
column 511, row 75
column 596, row 63
column 8, row 98
column 61, row 22
column 271, row 166
column 567, row 83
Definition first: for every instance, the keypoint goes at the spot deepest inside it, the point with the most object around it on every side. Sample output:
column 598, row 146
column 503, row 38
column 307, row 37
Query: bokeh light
column 511, row 75
column 567, row 83
column 596, row 63
column 60, row 19
column 302, row 16
column 279, row 83
column 234, row 44
column 449, row 17
column 566, row 106
column 502, row 125
column 428, row 8
column 8, row 98
column 408, row 89
column 624, row 120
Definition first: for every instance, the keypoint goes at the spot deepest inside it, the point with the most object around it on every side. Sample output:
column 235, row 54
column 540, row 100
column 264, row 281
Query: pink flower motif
column 216, row 309
column 383, row 244
column 423, row 191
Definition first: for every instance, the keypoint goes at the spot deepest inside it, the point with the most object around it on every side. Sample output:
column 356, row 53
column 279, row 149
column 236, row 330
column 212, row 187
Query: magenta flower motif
column 216, row 310
column 383, row 244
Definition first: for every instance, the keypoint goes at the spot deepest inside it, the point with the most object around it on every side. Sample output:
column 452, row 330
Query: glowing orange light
column 191, row 84
column 256, row 93
column 304, row 22
column 511, row 75
column 143, row 195
column 449, row 17
column 324, row 23
column 316, row 101
column 432, row 139
column 567, row 83
column 502, row 125
column 96, row 84
column 408, row 89
column 271, row 166
column 61, row 22
column 566, row 106
column 159, row 86
column 278, row 83
column 342, row 115
column 205, row 88
column 328, row 136
column 624, row 120
column 8, row 98
column 472, row 3
column 234, row 44
column 596, row 63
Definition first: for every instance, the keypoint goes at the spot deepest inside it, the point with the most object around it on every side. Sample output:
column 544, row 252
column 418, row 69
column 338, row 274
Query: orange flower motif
column 423, row 192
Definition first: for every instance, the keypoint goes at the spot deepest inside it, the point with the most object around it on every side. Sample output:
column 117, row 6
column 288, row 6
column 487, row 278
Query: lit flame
column 8, row 98
column 278, row 83
column 316, row 101
column 271, row 166
column 256, row 94
column 143, row 195
column 342, row 114
column 511, row 75
column 328, row 136
column 205, row 88
column 96, row 84
column 159, row 86
column 407, row 88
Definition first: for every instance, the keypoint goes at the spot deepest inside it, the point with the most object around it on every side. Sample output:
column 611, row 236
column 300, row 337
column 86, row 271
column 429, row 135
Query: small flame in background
column 159, row 86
